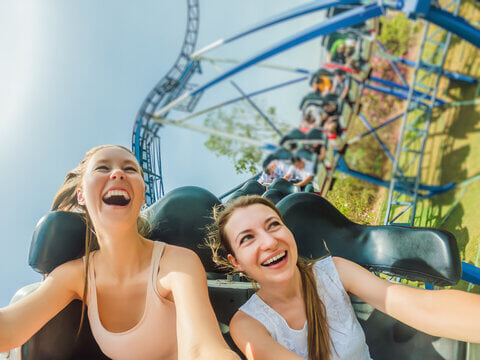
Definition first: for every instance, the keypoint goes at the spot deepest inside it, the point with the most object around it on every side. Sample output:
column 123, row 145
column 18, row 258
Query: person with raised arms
column 302, row 309
column 143, row 301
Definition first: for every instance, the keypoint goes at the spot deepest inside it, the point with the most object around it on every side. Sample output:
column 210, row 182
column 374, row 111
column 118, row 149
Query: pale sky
column 73, row 76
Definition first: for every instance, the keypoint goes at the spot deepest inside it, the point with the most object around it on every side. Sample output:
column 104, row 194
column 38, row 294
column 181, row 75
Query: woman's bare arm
column 445, row 313
column 198, row 332
column 21, row 320
column 255, row 341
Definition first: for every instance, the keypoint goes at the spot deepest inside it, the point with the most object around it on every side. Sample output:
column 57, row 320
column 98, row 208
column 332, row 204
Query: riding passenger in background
column 273, row 170
column 301, row 172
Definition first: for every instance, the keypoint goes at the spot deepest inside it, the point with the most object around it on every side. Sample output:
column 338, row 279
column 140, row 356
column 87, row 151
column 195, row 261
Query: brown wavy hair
column 66, row 200
column 319, row 344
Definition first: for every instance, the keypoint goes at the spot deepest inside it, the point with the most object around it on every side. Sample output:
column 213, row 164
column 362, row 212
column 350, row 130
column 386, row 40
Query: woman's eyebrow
column 242, row 232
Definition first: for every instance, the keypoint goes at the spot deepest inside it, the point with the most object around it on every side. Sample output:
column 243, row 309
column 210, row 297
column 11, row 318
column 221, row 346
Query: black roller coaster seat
column 60, row 237
column 295, row 134
column 417, row 254
column 279, row 154
column 285, row 186
column 306, row 154
column 315, row 134
column 181, row 217
column 274, row 195
column 311, row 98
column 251, row 187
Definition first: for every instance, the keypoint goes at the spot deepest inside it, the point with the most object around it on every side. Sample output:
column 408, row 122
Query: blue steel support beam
column 393, row 64
column 234, row 100
column 345, row 19
column 388, row 122
column 401, row 94
column 404, row 187
column 251, row 102
column 449, row 74
column 470, row 273
column 375, row 135
column 276, row 19
column 455, row 24
column 417, row 93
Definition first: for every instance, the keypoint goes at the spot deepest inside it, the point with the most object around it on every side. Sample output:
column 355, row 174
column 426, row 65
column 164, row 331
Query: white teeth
column 274, row 258
column 111, row 193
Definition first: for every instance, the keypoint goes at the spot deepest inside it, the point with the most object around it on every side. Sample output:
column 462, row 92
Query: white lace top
column 346, row 333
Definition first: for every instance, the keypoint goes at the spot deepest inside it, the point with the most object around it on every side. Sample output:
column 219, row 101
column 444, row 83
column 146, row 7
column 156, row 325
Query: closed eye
column 130, row 168
column 101, row 167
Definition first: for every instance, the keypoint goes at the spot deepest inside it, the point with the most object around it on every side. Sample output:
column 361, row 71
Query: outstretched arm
column 198, row 333
column 21, row 320
column 445, row 313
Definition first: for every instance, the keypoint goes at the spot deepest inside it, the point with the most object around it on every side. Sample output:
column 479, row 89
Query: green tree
column 242, row 121
column 397, row 33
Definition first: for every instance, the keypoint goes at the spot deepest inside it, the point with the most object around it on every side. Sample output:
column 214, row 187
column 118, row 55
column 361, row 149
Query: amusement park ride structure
column 399, row 249
column 420, row 93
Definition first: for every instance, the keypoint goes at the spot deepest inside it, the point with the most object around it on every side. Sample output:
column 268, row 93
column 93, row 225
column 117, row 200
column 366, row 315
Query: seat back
column 417, row 254
column 251, row 187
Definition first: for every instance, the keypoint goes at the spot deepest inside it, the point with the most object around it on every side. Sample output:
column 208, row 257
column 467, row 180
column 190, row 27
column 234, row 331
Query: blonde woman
column 146, row 300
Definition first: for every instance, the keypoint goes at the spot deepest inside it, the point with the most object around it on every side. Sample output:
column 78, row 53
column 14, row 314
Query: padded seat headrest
column 181, row 217
column 285, row 186
column 279, row 154
column 58, row 237
column 274, row 195
column 251, row 187
column 295, row 134
column 417, row 254
column 315, row 134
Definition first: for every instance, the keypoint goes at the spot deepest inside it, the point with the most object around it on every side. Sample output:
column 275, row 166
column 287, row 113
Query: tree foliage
column 242, row 121
column 397, row 33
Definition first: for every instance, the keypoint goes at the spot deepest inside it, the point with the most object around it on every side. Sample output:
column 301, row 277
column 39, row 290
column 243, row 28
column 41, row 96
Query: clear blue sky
column 73, row 76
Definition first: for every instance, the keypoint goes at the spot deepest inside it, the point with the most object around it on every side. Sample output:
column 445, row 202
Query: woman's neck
column 285, row 292
column 123, row 253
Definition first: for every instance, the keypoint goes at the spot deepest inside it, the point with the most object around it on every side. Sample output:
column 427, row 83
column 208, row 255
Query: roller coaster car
column 180, row 218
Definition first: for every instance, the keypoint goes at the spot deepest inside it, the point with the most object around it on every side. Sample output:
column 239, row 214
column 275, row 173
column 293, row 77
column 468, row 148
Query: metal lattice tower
column 405, row 189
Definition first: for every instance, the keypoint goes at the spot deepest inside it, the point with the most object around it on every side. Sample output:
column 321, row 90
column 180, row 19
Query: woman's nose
column 117, row 174
column 268, row 241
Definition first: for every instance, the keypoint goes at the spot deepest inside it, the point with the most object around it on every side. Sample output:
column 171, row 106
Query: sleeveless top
column 346, row 334
column 153, row 337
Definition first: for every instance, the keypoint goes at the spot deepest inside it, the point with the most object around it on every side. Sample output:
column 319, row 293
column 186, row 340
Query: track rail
column 145, row 138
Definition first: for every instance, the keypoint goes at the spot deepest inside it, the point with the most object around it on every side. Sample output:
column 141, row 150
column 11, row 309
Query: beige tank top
column 153, row 337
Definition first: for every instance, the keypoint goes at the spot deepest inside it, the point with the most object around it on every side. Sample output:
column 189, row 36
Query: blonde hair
column 66, row 200
column 319, row 345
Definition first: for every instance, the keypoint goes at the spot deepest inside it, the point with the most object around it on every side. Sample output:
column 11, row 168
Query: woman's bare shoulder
column 177, row 256
column 71, row 274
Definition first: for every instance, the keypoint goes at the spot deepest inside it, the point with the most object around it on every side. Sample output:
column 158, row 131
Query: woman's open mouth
column 116, row 198
column 275, row 260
